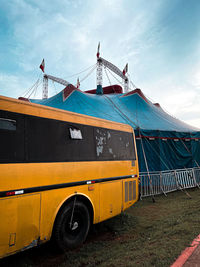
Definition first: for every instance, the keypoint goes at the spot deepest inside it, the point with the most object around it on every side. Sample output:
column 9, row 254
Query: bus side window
column 11, row 137
column 114, row 145
column 58, row 141
column 7, row 124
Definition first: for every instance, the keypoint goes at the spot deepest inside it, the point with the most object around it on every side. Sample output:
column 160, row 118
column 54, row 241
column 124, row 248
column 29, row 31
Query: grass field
column 147, row 234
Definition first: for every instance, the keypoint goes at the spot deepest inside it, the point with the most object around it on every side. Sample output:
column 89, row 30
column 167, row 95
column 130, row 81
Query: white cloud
column 66, row 34
column 180, row 99
column 13, row 85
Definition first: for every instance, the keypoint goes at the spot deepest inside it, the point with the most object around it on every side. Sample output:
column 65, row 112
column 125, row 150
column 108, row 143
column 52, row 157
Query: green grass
column 147, row 234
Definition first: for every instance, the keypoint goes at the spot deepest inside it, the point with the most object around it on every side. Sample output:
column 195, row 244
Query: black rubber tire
column 67, row 237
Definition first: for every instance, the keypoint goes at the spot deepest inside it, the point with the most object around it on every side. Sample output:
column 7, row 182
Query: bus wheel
column 72, row 226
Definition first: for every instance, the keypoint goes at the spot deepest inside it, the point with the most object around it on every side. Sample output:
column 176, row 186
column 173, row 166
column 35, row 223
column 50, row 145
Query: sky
column 159, row 39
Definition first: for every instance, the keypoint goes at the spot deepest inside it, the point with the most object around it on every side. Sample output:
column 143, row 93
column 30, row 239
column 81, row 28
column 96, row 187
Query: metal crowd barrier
column 163, row 182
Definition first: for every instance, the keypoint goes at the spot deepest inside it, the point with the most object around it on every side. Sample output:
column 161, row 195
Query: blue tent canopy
column 168, row 142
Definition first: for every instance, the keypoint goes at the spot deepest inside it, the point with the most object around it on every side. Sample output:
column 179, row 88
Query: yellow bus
column 60, row 172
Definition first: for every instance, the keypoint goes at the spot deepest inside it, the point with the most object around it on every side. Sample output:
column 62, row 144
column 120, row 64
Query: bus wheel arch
column 72, row 222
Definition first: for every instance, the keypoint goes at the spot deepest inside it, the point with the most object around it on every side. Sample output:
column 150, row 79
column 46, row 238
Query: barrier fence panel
column 150, row 184
column 156, row 183
column 144, row 186
column 185, row 178
column 197, row 175
column 167, row 181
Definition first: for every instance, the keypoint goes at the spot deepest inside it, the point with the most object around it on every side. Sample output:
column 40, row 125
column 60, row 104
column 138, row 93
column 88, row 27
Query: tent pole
column 161, row 184
column 147, row 168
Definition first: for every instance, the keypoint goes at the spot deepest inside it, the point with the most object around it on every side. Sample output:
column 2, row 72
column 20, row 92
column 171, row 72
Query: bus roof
column 28, row 108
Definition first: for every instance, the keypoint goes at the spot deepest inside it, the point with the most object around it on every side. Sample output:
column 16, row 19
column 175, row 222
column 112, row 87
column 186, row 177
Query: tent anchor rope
column 157, row 153
column 109, row 79
column 147, row 168
column 194, row 161
column 189, row 175
column 190, row 152
column 122, row 114
column 161, row 187
column 179, row 186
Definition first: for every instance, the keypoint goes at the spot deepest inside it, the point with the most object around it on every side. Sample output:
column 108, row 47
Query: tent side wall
column 167, row 150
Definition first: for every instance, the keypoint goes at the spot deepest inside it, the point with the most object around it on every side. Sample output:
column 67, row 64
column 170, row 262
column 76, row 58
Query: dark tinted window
column 114, row 145
column 51, row 140
column 11, row 137
column 26, row 138
column 7, row 124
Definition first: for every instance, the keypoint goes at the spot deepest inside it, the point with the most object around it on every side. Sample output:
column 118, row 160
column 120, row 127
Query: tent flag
column 42, row 65
column 98, row 53
column 78, row 84
column 125, row 70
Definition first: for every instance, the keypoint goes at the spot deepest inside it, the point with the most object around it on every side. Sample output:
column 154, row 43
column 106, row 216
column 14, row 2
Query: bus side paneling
column 110, row 205
column 42, row 174
column 20, row 223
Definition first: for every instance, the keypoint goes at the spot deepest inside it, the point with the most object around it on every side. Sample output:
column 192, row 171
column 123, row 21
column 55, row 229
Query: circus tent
column 168, row 142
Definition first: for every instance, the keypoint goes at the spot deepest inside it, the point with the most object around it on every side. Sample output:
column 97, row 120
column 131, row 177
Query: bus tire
column 70, row 231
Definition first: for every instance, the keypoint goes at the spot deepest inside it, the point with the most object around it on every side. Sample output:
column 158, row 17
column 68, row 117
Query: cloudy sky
column 160, row 39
